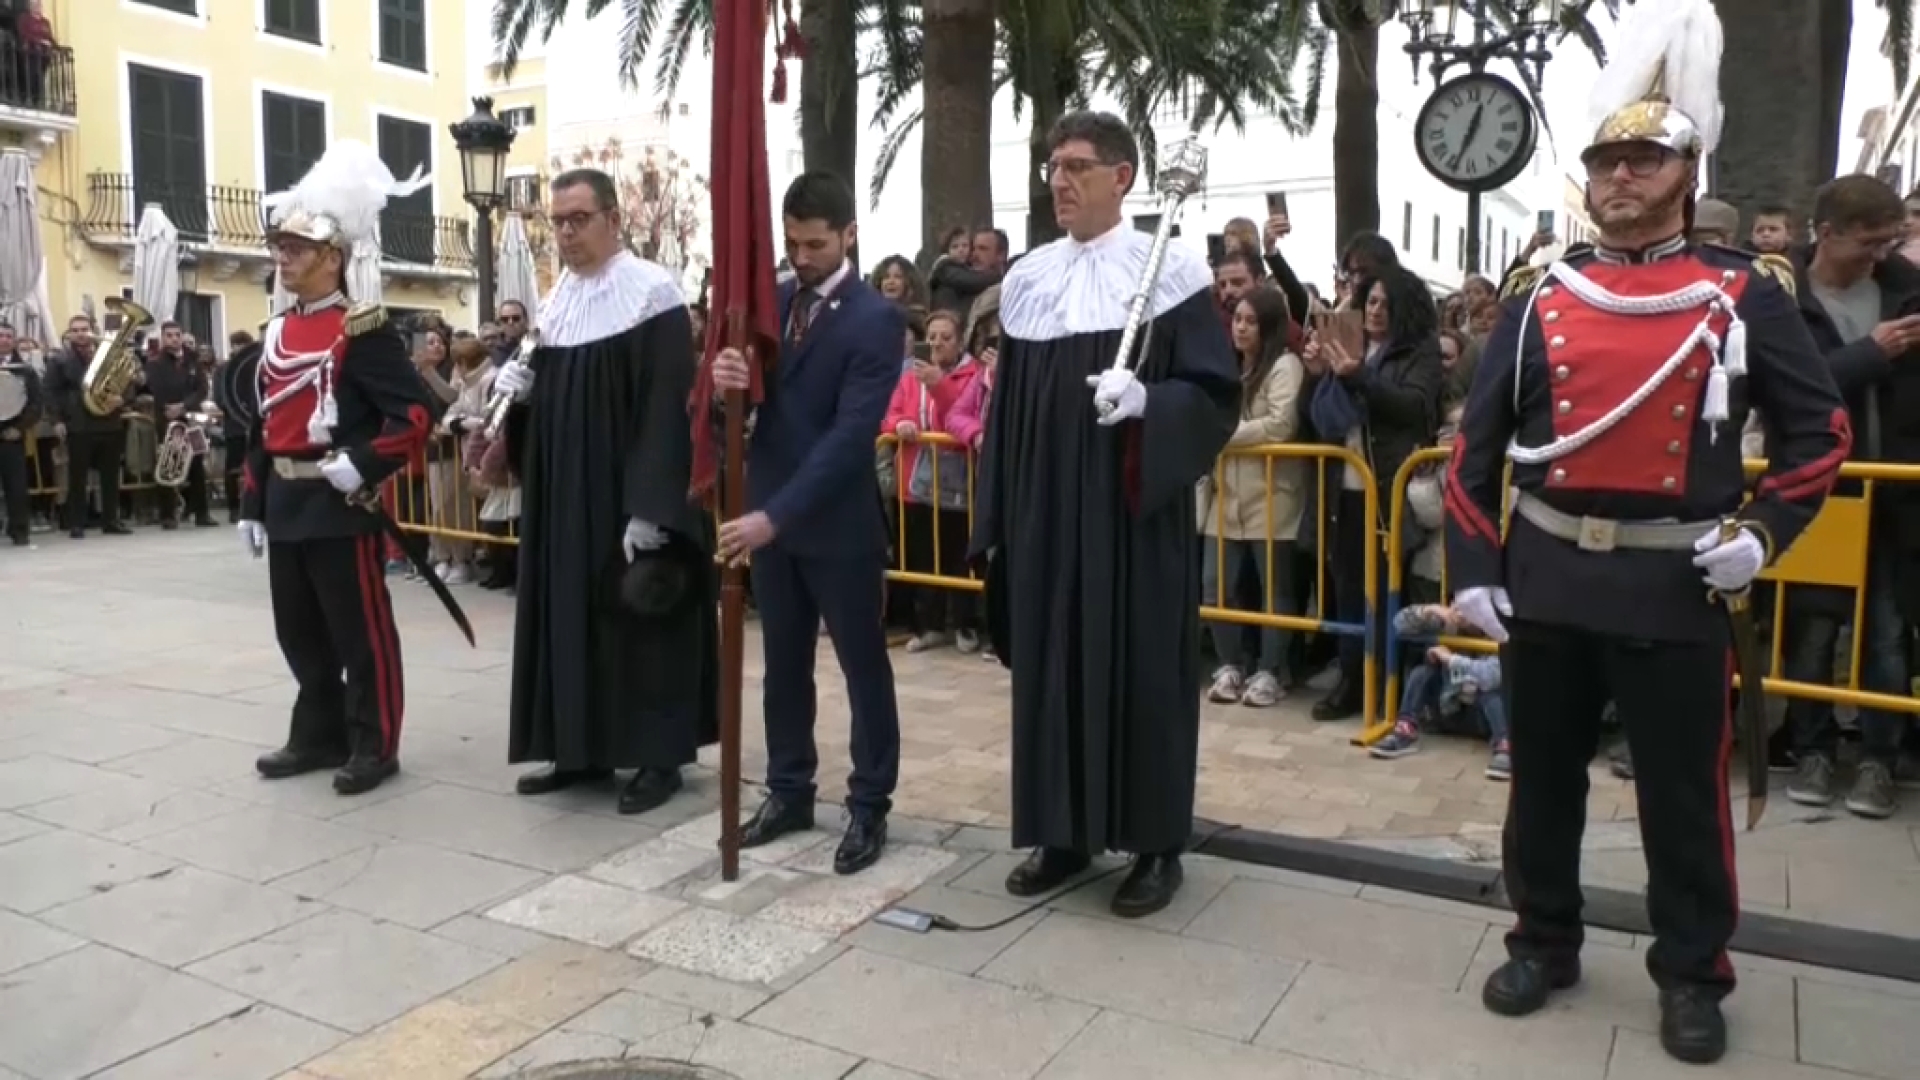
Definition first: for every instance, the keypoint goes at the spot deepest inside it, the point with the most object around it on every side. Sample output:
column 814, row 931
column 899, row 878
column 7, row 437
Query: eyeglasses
column 1073, row 167
column 1641, row 161
column 571, row 222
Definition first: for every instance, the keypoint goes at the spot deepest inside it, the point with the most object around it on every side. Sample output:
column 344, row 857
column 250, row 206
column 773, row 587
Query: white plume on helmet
column 1661, row 82
column 340, row 199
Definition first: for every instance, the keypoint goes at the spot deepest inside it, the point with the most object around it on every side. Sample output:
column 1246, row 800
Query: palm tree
column 825, row 34
column 1215, row 61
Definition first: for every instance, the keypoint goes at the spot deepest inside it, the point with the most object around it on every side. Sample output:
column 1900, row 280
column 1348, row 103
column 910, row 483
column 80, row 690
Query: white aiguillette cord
column 1727, row 363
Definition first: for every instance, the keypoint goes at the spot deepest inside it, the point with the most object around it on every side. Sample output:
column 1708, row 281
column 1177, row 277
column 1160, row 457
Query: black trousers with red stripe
column 1673, row 699
column 334, row 619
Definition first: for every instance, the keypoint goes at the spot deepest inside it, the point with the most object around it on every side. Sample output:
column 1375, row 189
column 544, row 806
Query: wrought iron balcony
column 37, row 79
column 230, row 222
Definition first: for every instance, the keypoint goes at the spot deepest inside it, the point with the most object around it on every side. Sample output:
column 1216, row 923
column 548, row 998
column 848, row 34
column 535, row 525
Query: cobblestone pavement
column 165, row 914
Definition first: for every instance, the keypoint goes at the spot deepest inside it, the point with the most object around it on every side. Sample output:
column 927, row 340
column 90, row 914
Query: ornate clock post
column 1478, row 131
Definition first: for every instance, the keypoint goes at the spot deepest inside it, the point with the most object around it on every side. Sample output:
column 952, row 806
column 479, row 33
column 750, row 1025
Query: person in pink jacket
column 934, row 506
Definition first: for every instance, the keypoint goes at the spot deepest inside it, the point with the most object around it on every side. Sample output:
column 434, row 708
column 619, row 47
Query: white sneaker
column 442, row 569
column 458, row 574
column 1227, row 685
column 927, row 642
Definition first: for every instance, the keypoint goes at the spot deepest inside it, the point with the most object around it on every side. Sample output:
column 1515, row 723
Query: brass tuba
column 115, row 364
column 186, row 439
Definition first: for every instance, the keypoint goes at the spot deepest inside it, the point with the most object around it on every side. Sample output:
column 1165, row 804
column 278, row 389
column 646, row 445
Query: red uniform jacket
column 1574, row 364
column 382, row 416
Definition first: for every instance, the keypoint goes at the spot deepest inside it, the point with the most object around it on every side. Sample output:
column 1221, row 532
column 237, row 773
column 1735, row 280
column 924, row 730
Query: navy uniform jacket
column 810, row 466
column 383, row 411
column 1575, row 363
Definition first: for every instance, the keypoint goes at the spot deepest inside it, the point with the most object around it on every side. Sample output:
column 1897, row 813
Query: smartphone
column 1276, row 203
column 419, row 342
column 922, row 353
column 1543, row 222
column 1216, row 248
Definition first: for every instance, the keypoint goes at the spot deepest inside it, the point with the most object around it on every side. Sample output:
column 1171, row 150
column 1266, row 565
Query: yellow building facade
column 205, row 106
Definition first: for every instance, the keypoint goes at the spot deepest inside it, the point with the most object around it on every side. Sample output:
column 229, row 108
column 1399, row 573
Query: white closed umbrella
column 156, row 264
column 516, row 275
column 23, row 264
column 363, row 272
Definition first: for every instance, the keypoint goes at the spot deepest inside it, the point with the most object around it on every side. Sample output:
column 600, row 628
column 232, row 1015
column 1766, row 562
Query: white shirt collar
column 834, row 280
column 1113, row 239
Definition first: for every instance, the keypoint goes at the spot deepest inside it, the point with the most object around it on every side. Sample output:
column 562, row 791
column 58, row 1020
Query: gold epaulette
column 1521, row 281
column 365, row 318
column 1779, row 269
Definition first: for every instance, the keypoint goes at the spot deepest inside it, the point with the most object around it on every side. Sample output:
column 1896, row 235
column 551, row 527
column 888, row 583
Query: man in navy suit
column 815, row 532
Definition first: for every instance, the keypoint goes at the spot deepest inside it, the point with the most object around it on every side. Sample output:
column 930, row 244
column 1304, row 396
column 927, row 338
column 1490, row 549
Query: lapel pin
column 833, row 305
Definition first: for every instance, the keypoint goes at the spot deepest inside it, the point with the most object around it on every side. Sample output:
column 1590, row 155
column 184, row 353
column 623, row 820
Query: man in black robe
column 1085, row 511
column 615, row 643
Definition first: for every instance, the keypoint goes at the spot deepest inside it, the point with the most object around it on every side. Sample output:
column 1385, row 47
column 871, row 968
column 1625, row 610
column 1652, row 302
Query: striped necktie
column 804, row 303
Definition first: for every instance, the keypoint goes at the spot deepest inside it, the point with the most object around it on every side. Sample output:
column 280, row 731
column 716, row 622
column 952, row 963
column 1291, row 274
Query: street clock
column 1476, row 133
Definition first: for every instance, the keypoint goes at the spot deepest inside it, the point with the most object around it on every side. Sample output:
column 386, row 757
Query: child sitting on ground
column 1451, row 693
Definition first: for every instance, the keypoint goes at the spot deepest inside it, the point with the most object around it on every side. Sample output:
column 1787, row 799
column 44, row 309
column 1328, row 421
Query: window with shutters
column 178, row 7
column 293, row 135
column 519, row 118
column 403, row 33
column 523, row 192
column 296, row 19
column 167, row 119
column 406, row 226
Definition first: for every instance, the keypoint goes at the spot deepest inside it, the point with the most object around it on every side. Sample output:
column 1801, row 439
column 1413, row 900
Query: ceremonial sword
column 1746, row 662
column 368, row 499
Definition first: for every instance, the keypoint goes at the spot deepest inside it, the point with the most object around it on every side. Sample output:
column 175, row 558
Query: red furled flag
column 742, row 303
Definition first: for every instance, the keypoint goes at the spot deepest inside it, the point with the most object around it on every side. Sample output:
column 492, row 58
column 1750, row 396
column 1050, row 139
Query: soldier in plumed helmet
column 1616, row 381
column 339, row 409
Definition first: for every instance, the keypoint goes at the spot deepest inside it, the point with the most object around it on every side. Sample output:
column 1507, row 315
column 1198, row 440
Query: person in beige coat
column 1250, row 508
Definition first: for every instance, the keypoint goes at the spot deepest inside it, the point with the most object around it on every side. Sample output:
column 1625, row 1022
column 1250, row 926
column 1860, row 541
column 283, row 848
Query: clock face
column 1475, row 133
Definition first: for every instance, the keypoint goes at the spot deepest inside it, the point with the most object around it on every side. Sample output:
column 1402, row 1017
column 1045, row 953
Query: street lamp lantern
column 483, row 140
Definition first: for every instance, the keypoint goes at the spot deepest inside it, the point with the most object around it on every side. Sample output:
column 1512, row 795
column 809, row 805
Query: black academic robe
column 1093, row 579
column 604, row 438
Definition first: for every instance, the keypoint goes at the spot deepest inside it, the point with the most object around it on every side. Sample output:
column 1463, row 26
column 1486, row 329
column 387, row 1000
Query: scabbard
column 1753, row 700
column 368, row 499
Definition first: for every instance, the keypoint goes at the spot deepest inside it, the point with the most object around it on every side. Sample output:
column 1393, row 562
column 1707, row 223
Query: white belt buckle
column 283, row 468
column 1597, row 534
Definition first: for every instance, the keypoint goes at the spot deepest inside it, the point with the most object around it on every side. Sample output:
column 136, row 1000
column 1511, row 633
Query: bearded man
column 1616, row 381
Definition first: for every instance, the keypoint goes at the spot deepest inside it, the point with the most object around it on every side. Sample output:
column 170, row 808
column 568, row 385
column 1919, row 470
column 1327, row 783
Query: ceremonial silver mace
column 1183, row 173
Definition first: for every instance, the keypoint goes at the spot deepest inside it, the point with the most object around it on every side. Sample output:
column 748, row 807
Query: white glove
column 1116, row 387
column 515, row 379
column 642, row 536
column 1732, row 565
column 1483, row 608
column 254, row 536
column 339, row 471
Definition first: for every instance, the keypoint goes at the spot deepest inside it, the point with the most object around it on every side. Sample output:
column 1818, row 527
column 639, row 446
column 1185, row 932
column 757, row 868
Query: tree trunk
column 1046, row 104
column 1356, row 134
column 829, row 92
column 1836, row 41
column 1769, row 154
column 956, row 129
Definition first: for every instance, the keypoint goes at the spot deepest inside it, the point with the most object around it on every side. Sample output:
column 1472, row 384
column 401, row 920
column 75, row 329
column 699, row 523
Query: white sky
column 1869, row 84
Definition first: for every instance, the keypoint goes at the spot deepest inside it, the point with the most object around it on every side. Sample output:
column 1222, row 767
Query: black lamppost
column 1461, row 143
column 483, row 141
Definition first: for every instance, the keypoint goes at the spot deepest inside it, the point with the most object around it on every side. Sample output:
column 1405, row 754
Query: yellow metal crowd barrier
column 445, row 503
column 1832, row 552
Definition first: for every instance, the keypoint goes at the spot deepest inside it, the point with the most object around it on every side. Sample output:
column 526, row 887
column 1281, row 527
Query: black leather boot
column 1045, row 870
column 1521, row 987
column 865, row 839
column 362, row 773
column 648, row 790
column 288, row 762
column 1692, row 1028
column 776, row 818
column 1149, row 887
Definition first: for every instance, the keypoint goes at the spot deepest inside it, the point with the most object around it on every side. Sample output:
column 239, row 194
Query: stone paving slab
column 164, row 913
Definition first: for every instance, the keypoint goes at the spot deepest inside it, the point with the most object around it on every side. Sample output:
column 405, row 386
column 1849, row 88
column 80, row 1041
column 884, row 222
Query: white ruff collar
column 626, row 292
column 1068, row 287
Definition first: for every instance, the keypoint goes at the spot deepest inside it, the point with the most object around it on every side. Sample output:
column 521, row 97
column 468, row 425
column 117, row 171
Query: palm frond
column 1899, row 39
column 890, row 146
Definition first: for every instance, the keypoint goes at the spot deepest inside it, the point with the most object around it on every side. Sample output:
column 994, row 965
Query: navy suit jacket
column 811, row 463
